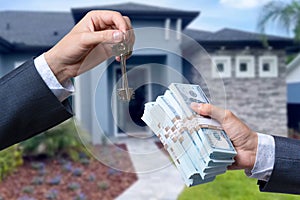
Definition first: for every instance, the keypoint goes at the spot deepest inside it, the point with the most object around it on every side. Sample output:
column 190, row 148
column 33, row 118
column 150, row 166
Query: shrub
column 37, row 180
column 54, row 181
column 52, row 194
column 37, row 165
column 26, row 198
column 28, row 189
column 91, row 177
column 103, row 185
column 61, row 141
column 84, row 161
column 80, row 196
column 73, row 186
column 10, row 159
column 77, row 172
column 67, row 167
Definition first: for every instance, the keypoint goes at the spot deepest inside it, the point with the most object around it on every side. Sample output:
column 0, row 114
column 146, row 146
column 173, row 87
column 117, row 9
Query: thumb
column 209, row 110
column 107, row 36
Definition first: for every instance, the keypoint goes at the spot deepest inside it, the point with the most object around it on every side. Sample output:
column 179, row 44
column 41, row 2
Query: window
column 268, row 66
column 245, row 67
column 221, row 67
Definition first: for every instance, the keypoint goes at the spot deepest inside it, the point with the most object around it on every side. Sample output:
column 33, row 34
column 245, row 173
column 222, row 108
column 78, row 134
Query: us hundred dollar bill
column 196, row 152
column 185, row 160
column 199, row 147
column 209, row 130
column 207, row 144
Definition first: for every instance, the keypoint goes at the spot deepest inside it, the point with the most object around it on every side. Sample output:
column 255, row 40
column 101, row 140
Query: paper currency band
column 166, row 146
column 195, row 117
column 208, row 126
column 183, row 129
column 176, row 119
column 174, row 139
column 181, row 139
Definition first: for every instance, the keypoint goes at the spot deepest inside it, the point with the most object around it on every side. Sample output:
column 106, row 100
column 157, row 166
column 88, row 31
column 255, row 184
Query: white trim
column 178, row 28
column 250, row 67
column 226, row 61
column 273, row 64
column 115, row 67
column 77, row 99
column 167, row 28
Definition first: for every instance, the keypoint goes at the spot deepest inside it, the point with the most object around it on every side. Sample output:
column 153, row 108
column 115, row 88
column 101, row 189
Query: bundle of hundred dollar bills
column 198, row 146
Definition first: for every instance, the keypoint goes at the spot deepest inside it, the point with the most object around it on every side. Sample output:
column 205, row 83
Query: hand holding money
column 244, row 139
column 199, row 147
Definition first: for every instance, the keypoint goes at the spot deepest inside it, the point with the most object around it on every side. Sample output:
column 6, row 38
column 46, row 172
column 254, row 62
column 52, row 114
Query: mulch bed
column 63, row 179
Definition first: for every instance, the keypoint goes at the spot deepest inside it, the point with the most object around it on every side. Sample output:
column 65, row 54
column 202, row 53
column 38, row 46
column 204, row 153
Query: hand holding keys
column 124, row 49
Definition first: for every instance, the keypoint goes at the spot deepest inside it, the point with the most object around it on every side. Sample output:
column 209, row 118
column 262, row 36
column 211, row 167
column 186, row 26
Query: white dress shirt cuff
column 265, row 158
column 61, row 91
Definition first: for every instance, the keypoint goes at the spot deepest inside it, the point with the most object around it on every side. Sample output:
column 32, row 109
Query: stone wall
column 259, row 102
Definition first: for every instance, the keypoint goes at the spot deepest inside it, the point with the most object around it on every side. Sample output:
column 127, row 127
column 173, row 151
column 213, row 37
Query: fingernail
column 117, row 35
column 196, row 105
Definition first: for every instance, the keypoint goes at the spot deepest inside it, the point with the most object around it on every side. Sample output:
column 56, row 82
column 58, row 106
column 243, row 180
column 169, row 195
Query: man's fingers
column 112, row 18
column 209, row 110
column 128, row 22
column 89, row 39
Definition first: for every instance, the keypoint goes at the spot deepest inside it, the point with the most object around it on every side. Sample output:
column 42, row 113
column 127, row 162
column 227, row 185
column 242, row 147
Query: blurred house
column 293, row 94
column 253, row 77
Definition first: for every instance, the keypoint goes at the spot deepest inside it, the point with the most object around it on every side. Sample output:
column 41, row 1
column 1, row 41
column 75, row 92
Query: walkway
column 158, row 179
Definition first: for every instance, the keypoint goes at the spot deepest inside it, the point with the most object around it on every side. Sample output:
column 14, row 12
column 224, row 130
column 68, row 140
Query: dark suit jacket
column 27, row 105
column 285, row 177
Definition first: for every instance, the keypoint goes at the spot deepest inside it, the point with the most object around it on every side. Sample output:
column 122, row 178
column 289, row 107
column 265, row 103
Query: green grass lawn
column 233, row 185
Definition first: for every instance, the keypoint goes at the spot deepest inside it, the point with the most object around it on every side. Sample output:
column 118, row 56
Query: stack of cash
column 198, row 146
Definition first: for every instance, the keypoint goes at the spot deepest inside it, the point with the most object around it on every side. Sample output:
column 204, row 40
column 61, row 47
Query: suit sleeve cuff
column 265, row 158
column 61, row 91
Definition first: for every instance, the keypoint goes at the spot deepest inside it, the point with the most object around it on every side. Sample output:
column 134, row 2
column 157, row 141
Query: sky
column 215, row 14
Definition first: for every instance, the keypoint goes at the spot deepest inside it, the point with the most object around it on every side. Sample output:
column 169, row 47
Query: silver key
column 121, row 49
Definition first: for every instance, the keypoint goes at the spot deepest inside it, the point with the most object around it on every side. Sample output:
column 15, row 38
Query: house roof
column 4, row 45
column 28, row 30
column 233, row 37
column 25, row 30
column 141, row 11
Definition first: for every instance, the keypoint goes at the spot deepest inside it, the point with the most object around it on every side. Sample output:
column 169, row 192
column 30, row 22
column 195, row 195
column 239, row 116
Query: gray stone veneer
column 259, row 102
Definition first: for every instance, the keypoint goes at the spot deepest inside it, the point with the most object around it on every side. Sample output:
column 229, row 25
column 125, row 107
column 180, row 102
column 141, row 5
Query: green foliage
column 73, row 186
column 37, row 180
column 61, row 140
column 52, row 194
column 286, row 15
column 28, row 189
column 103, row 185
column 290, row 58
column 10, row 159
column 231, row 185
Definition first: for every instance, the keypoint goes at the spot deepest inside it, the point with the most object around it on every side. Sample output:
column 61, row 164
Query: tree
column 286, row 15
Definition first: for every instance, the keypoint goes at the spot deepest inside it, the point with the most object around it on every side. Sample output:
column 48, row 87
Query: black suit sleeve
column 285, row 177
column 27, row 105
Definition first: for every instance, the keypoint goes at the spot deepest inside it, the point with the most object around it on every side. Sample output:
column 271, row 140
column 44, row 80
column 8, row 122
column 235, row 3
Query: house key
column 121, row 49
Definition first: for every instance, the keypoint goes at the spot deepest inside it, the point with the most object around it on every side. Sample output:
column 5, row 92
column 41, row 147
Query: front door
column 128, row 115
